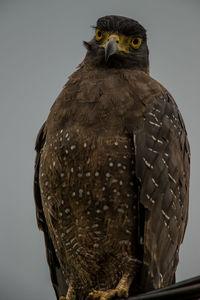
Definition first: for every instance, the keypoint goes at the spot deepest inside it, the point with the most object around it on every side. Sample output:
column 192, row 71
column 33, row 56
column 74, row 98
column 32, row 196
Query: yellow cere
column 125, row 43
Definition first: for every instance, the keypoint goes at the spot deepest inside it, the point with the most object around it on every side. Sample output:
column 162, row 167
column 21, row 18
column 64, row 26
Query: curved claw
column 107, row 295
column 89, row 297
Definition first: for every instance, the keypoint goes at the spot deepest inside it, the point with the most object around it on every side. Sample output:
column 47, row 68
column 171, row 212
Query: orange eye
column 136, row 42
column 99, row 35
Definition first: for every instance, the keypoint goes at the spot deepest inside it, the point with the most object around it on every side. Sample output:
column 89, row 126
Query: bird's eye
column 99, row 35
column 136, row 42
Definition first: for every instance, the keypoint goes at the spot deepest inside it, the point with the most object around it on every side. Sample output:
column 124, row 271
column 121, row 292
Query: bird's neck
column 116, row 63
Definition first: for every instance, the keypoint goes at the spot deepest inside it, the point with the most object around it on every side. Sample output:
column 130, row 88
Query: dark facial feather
column 122, row 25
column 138, row 58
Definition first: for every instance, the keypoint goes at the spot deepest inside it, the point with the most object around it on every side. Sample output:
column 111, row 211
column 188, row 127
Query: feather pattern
column 162, row 167
column 112, row 178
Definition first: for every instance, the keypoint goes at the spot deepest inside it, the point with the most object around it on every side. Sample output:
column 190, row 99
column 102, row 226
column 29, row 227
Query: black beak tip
column 110, row 49
column 106, row 57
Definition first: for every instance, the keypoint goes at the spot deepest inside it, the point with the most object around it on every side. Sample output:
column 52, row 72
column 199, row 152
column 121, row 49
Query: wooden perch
column 185, row 290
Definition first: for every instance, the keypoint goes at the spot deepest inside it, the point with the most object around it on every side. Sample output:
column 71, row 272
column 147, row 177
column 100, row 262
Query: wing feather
column 162, row 160
column 57, row 278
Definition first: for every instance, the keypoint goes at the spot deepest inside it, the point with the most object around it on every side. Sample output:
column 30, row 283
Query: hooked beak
column 111, row 48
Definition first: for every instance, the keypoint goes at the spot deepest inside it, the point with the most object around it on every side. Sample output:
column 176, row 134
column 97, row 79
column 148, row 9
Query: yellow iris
column 136, row 42
column 99, row 35
column 124, row 42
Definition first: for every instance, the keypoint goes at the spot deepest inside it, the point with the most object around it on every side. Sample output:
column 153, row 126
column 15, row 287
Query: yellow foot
column 109, row 294
column 62, row 298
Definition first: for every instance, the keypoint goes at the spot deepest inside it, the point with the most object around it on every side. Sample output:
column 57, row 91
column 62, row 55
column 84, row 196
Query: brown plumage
column 112, row 173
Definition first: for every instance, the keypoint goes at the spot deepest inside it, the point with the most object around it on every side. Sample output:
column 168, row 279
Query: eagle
column 112, row 166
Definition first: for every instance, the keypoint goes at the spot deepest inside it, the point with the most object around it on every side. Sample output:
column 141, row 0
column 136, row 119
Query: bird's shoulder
column 92, row 93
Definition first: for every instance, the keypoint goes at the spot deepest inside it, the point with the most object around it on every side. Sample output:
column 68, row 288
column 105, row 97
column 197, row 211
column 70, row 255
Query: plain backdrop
column 40, row 46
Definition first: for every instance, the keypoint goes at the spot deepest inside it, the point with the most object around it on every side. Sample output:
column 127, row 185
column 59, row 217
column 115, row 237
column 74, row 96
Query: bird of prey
column 112, row 172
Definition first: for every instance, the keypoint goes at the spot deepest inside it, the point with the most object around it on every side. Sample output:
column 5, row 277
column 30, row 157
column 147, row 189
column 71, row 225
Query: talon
column 62, row 298
column 123, row 293
column 89, row 297
column 93, row 295
column 121, row 290
column 102, row 295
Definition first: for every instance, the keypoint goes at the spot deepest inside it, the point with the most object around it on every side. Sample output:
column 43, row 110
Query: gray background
column 40, row 45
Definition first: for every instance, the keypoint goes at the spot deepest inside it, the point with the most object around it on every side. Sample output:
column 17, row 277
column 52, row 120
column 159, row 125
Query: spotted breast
column 97, row 169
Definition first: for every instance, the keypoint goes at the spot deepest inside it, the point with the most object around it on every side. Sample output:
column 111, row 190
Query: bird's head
column 119, row 42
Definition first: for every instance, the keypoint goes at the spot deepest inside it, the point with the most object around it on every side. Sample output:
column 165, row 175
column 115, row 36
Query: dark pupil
column 99, row 33
column 135, row 41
